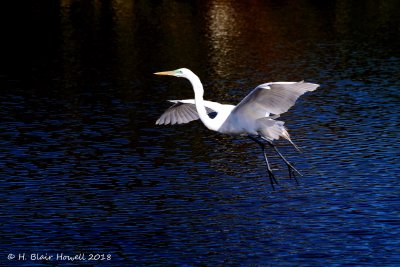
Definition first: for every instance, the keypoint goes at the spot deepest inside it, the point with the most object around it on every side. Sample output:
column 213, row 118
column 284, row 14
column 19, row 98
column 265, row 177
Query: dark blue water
column 84, row 169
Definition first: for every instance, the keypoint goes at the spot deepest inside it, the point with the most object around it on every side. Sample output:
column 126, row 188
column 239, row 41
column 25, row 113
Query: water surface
column 84, row 168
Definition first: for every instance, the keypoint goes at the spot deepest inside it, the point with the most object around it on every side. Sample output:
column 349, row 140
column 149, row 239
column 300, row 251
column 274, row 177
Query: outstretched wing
column 272, row 98
column 183, row 111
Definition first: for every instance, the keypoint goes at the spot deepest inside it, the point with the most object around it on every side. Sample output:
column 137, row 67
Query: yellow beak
column 172, row 73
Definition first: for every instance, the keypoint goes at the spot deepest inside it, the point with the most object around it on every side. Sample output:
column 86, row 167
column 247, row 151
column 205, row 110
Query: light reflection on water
column 85, row 169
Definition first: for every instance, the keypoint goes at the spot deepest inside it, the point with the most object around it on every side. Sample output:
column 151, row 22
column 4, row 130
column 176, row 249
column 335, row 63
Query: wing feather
column 174, row 116
column 184, row 111
column 192, row 112
column 273, row 98
column 183, row 114
column 168, row 119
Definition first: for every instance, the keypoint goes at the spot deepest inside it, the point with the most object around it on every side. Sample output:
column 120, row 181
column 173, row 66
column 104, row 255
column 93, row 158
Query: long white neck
column 199, row 101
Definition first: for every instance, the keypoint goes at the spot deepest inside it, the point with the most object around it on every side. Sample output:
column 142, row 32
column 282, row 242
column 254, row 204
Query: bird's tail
column 273, row 129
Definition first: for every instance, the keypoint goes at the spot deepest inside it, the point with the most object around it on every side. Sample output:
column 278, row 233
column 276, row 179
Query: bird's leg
column 271, row 175
column 292, row 174
column 291, row 168
column 272, row 178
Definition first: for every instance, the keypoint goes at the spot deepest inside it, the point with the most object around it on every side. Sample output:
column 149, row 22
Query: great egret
column 254, row 116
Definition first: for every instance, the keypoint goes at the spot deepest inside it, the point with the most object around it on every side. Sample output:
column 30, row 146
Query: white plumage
column 254, row 115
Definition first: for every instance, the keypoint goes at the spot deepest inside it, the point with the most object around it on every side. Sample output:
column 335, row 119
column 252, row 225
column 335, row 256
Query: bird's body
column 253, row 116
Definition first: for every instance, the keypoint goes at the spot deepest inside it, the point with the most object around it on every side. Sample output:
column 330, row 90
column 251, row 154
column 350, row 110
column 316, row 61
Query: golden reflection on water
column 226, row 36
column 222, row 28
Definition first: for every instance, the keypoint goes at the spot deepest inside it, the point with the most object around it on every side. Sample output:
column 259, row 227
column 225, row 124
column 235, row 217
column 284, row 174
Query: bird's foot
column 292, row 174
column 272, row 178
column 292, row 169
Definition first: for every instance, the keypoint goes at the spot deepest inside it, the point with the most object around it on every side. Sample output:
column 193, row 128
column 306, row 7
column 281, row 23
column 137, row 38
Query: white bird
column 254, row 116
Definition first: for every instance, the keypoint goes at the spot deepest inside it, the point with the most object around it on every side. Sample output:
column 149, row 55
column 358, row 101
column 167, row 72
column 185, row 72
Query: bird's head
column 183, row 72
